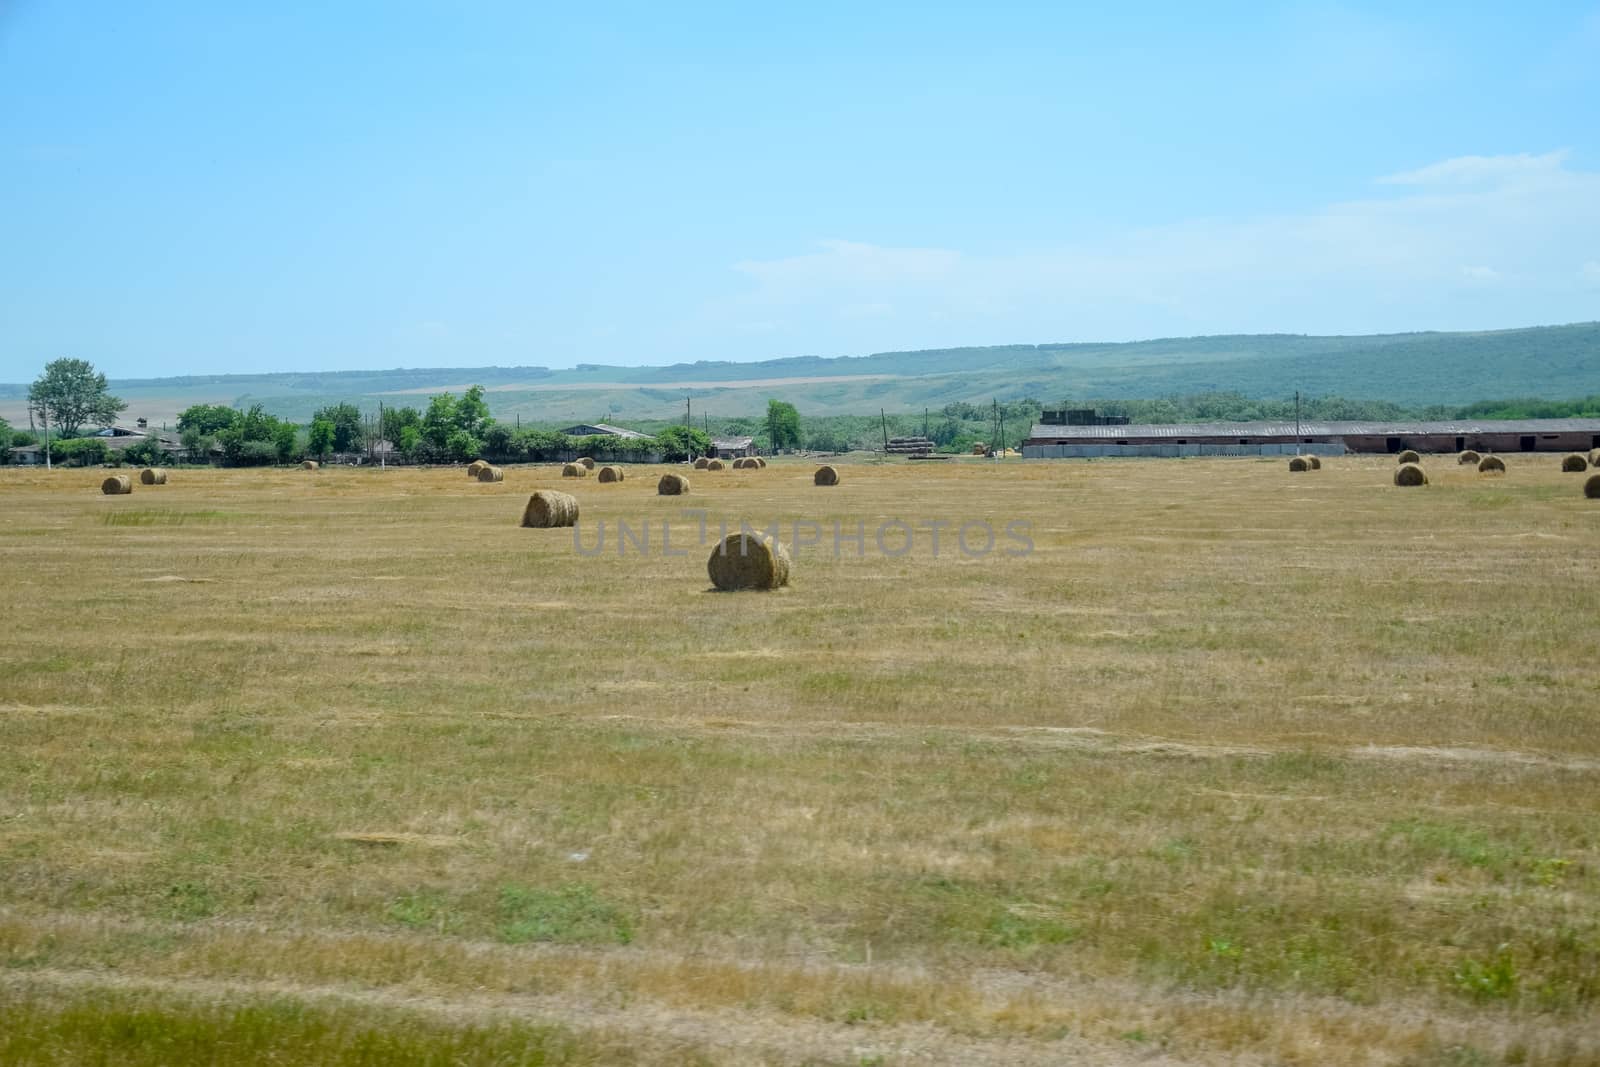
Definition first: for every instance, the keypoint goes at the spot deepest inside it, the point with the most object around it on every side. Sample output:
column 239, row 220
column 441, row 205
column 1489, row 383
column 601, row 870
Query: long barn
column 1052, row 440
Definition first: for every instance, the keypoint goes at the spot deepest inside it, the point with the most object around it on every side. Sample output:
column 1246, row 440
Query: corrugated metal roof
column 1308, row 428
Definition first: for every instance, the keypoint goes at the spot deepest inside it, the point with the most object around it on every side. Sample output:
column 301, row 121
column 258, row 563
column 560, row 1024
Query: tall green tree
column 206, row 419
column 783, row 424
column 346, row 420
column 439, row 421
column 395, row 421
column 321, row 440
column 472, row 413
column 71, row 392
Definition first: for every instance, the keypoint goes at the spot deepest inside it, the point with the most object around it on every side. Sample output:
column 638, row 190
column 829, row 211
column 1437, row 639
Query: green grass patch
column 45, row 1028
column 166, row 517
column 571, row 913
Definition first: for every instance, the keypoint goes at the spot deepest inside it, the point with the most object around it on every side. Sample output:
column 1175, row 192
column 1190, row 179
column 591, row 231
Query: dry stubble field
column 1237, row 765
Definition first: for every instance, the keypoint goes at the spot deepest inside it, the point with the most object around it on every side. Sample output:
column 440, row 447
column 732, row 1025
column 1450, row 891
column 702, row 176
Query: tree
column 71, row 392
column 463, row 445
column 5, row 442
column 285, row 441
column 472, row 414
column 146, row 453
column 395, row 422
column 440, row 421
column 410, row 440
column 346, row 420
column 321, row 442
column 206, row 419
column 682, row 442
column 783, row 424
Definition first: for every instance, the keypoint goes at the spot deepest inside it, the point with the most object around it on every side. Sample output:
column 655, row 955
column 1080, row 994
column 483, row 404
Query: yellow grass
column 1235, row 767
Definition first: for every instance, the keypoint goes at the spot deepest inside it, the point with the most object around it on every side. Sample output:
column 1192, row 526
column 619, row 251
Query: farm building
column 1053, row 440
column 601, row 429
column 733, row 447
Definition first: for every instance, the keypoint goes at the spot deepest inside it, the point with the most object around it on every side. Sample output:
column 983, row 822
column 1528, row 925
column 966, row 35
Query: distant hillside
column 1413, row 369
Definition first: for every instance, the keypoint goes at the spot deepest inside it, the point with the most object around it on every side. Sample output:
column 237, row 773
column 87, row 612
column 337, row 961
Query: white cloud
column 1414, row 259
column 1472, row 170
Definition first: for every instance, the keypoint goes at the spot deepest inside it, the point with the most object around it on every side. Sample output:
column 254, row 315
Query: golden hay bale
column 761, row 462
column 1574, row 462
column 548, row 508
column 474, row 467
column 700, row 464
column 152, row 476
column 1408, row 456
column 1314, row 462
column 672, row 485
column 716, row 465
column 1591, row 487
column 117, row 485
column 1409, row 474
column 980, row 449
column 588, row 464
column 743, row 462
column 1491, row 465
column 748, row 561
column 309, row 465
column 826, row 476
column 611, row 474
column 1299, row 463
column 491, row 474
column 1469, row 456
column 1594, row 458
column 574, row 470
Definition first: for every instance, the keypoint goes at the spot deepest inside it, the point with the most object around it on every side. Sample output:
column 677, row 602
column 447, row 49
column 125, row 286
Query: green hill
column 1408, row 369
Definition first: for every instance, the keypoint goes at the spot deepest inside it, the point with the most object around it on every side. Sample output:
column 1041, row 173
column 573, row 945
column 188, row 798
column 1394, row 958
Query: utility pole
column 1297, row 415
column 924, row 424
column 885, row 419
column 688, row 416
column 1002, row 435
column 44, row 418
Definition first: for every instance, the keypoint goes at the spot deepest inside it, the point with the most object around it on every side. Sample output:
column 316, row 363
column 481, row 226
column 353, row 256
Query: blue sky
column 211, row 188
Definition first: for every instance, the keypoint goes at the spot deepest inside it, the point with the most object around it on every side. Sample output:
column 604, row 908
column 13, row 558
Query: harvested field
column 1234, row 767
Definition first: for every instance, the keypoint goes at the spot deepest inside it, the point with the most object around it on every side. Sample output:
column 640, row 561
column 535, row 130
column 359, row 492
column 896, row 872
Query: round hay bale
column 1594, row 458
column 1491, row 465
column 743, row 463
column 700, row 464
column 491, row 474
column 1591, row 487
column 1574, row 462
column 1299, row 463
column 474, row 467
column 309, row 465
column 716, row 465
column 588, row 464
column 548, row 508
column 152, row 476
column 826, row 476
column 574, row 470
column 1469, row 456
column 1409, row 474
column 117, row 485
column 748, row 561
column 761, row 462
column 611, row 474
column 1314, row 462
column 980, row 449
column 1408, row 456
column 672, row 485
